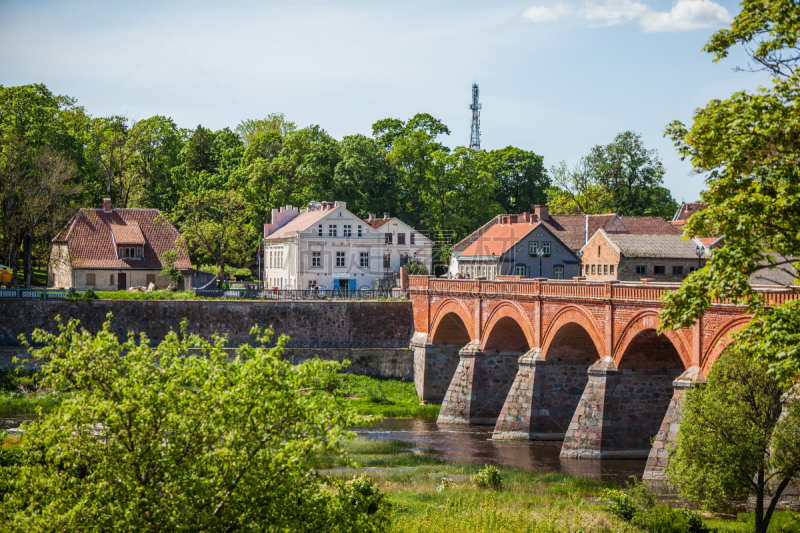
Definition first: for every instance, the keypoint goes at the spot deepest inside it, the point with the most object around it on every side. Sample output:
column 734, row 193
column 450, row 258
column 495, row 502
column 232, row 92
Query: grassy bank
column 528, row 502
column 391, row 398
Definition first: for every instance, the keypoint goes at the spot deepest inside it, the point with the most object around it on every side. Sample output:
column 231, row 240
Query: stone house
column 573, row 230
column 113, row 249
column 511, row 248
column 401, row 243
column 626, row 257
column 324, row 245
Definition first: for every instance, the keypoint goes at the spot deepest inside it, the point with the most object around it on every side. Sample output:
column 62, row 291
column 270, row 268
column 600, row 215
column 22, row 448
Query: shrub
column 374, row 393
column 331, row 380
column 444, row 484
column 488, row 478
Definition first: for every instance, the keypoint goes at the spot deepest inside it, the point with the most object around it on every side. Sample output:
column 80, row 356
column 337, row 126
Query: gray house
column 519, row 246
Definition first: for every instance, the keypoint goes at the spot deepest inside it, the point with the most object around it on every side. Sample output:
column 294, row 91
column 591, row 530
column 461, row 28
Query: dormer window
column 126, row 252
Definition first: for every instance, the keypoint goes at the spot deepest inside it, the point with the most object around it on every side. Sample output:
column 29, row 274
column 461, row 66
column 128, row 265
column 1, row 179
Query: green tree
column 621, row 177
column 201, row 154
column 182, row 437
column 521, row 178
column 214, row 226
column 410, row 147
column 737, row 437
column 748, row 146
column 157, row 146
column 275, row 122
column 363, row 178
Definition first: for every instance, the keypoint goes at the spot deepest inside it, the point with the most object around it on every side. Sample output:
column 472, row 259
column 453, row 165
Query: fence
column 299, row 294
column 43, row 294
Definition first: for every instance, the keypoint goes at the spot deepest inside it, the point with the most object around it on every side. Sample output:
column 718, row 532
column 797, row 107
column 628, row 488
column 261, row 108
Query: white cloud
column 613, row 12
column 688, row 15
column 547, row 14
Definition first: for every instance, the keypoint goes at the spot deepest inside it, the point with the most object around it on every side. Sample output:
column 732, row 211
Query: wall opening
column 507, row 336
column 451, row 330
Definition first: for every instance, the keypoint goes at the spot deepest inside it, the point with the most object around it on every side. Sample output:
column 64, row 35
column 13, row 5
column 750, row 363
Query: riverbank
column 390, row 398
column 530, row 501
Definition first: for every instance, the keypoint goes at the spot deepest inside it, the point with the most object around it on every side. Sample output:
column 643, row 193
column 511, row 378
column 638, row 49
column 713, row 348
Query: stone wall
column 333, row 324
column 397, row 363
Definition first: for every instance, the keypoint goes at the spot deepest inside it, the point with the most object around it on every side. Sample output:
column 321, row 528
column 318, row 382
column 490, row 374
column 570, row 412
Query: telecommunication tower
column 475, row 131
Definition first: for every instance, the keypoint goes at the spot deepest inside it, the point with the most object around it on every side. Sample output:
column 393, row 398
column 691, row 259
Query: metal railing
column 44, row 294
column 299, row 294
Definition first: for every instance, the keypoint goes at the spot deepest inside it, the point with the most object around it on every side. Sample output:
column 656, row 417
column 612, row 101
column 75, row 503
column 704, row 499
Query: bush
column 416, row 268
column 488, row 478
column 374, row 393
column 331, row 380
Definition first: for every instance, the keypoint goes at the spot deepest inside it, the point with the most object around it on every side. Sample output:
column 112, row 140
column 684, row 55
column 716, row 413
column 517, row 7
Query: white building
column 401, row 243
column 325, row 246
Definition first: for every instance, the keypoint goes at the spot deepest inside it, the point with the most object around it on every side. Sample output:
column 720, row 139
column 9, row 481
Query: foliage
column 520, row 177
column 488, row 478
column 748, row 147
column 737, row 437
column 169, row 270
column 622, row 177
column 444, row 484
column 229, row 270
column 182, row 437
column 635, row 504
column 417, row 268
column 249, row 129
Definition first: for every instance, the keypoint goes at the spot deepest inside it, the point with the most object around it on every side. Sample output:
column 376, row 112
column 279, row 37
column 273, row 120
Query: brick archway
column 648, row 321
column 573, row 315
column 721, row 341
column 442, row 320
column 501, row 314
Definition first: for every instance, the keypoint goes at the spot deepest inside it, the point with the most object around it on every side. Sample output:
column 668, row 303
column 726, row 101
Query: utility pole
column 475, row 130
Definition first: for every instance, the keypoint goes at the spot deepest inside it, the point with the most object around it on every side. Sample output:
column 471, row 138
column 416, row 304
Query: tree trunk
column 27, row 266
column 759, row 511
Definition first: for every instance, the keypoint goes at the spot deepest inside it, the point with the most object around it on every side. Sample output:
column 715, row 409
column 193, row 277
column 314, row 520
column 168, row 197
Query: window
column 519, row 270
column 347, row 231
column 130, row 253
column 605, row 269
column 692, row 269
column 532, row 247
column 401, row 238
column 598, row 251
column 641, row 269
column 388, row 238
column 558, row 250
column 151, row 278
column 593, row 269
column 611, row 269
column 659, row 270
column 332, row 231
column 364, row 260
column 312, row 283
column 359, row 230
column 558, row 272
column 90, row 279
column 387, row 261
column 112, row 279
column 677, row 271
column 411, row 238
column 316, row 259
column 546, row 247
column 319, row 230
column 339, row 259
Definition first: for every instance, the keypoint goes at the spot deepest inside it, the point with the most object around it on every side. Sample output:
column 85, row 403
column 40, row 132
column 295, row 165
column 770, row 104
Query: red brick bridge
column 573, row 361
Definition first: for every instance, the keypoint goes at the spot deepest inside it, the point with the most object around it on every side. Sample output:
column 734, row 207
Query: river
column 473, row 444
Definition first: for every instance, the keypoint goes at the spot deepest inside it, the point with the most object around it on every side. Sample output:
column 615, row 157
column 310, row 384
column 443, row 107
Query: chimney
column 541, row 211
column 386, row 214
column 526, row 216
column 513, row 219
column 106, row 205
column 371, row 216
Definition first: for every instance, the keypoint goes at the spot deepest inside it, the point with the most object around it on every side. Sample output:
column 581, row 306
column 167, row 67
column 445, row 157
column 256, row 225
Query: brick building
column 113, row 249
column 573, row 230
column 512, row 248
column 626, row 257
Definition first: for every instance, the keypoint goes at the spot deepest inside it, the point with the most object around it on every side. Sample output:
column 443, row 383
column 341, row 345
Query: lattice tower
column 475, row 130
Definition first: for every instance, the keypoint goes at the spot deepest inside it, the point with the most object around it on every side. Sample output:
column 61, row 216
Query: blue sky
column 555, row 77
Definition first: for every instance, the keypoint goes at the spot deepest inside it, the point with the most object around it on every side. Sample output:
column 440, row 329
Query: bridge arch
column 639, row 340
column 572, row 318
column 721, row 341
column 452, row 324
column 507, row 329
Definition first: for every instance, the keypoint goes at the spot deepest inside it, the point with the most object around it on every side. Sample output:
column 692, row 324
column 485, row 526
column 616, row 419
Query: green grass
column 15, row 402
column 391, row 398
column 781, row 522
column 155, row 295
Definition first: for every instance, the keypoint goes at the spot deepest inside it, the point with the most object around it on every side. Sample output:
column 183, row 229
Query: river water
column 473, row 444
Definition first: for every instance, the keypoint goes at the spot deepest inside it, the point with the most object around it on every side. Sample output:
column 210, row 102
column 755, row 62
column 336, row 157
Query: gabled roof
column 376, row 223
column 654, row 246
column 301, row 222
column 498, row 239
column 88, row 237
column 650, row 226
column 688, row 209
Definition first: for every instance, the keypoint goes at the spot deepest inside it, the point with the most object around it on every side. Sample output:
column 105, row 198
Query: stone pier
column 434, row 366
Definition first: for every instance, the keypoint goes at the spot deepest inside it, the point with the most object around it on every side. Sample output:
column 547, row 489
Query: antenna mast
column 475, row 130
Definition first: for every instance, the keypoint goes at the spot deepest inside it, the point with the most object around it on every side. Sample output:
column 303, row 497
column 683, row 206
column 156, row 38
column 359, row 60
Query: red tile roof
column 301, row 222
column 498, row 239
column 649, row 226
column 688, row 210
column 377, row 222
column 571, row 229
column 90, row 245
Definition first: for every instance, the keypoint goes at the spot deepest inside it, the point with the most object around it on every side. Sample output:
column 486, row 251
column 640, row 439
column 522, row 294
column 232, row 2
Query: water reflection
column 12, row 421
column 474, row 444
